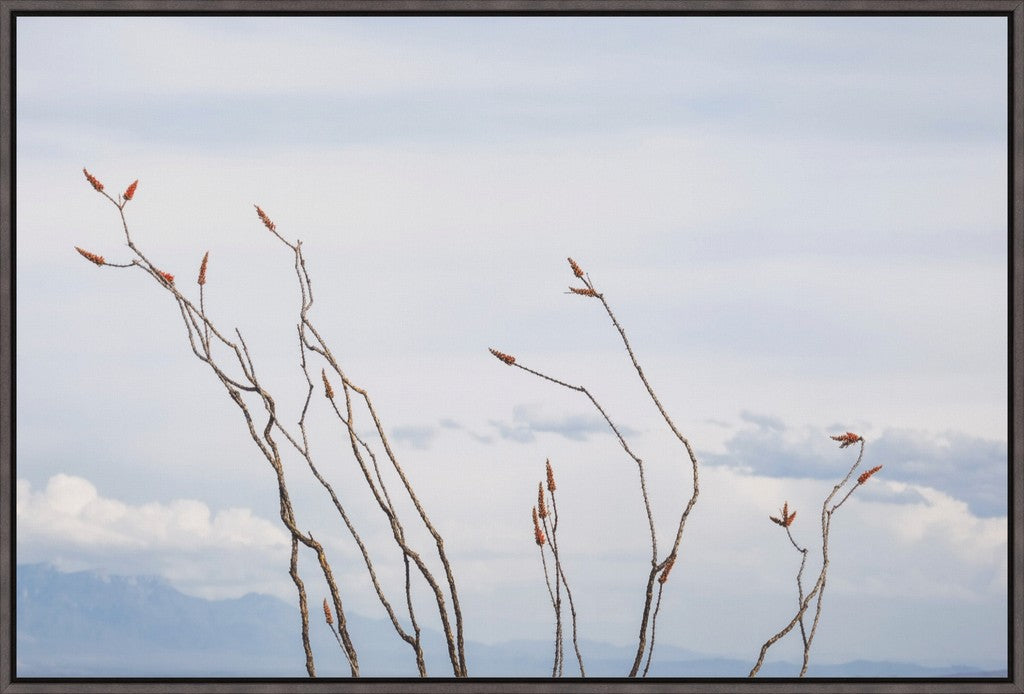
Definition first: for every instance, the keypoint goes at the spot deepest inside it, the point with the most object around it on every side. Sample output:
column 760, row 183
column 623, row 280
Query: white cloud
column 70, row 524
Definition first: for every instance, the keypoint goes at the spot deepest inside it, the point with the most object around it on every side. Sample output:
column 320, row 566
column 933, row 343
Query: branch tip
column 847, row 439
column 865, row 475
column 91, row 257
column 265, row 219
column 93, row 180
column 507, row 358
column 202, row 269
column 327, row 613
column 538, row 534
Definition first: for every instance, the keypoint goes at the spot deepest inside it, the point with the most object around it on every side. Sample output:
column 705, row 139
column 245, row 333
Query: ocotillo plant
column 659, row 567
column 785, row 521
column 232, row 365
column 545, row 533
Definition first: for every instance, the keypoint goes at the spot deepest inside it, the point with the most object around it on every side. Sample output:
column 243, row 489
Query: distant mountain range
column 87, row 625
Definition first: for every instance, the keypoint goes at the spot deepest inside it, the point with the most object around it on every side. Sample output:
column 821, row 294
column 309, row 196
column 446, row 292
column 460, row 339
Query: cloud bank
column 965, row 467
column 223, row 554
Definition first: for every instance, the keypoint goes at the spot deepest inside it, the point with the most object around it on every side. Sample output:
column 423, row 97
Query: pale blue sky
column 801, row 223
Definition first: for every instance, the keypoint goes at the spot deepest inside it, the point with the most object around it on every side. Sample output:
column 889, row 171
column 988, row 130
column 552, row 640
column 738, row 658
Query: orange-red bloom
column 93, row 180
column 507, row 358
column 202, row 269
column 128, row 194
column 168, row 276
column 865, row 475
column 538, row 534
column 327, row 613
column 787, row 517
column 847, row 439
column 92, row 257
column 265, row 219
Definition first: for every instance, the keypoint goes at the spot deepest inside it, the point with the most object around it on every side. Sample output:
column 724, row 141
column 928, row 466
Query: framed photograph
column 664, row 345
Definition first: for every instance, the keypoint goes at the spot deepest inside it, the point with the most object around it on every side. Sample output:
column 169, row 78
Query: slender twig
column 589, row 290
column 847, row 439
column 201, row 331
column 560, row 567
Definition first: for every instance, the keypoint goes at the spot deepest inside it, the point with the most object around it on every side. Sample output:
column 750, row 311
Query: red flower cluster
column 93, row 180
column 787, row 517
column 130, row 193
column 865, row 475
column 92, row 257
column 507, row 358
column 847, row 439
column 265, row 219
column 538, row 534
column 202, row 269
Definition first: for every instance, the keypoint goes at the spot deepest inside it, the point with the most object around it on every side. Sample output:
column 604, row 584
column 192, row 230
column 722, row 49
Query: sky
column 800, row 223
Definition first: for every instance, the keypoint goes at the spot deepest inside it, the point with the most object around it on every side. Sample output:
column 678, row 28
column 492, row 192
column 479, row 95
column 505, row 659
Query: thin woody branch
column 817, row 593
column 646, row 624
column 202, row 334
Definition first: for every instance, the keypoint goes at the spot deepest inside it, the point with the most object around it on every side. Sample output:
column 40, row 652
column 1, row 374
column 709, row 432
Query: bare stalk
column 559, row 566
column 818, row 591
column 646, row 625
column 540, row 537
column 202, row 335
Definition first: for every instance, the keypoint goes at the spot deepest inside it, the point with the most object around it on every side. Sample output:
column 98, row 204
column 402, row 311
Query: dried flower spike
column 664, row 572
column 538, row 534
column 327, row 613
column 92, row 257
column 265, row 219
column 202, row 269
column 507, row 358
column 542, row 508
column 551, row 477
column 847, row 439
column 168, row 276
column 328, row 391
column 576, row 270
column 130, row 193
column 93, row 180
column 865, row 475
column 583, row 291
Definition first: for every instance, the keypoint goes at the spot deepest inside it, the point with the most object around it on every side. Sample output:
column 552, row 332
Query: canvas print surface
column 511, row 346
